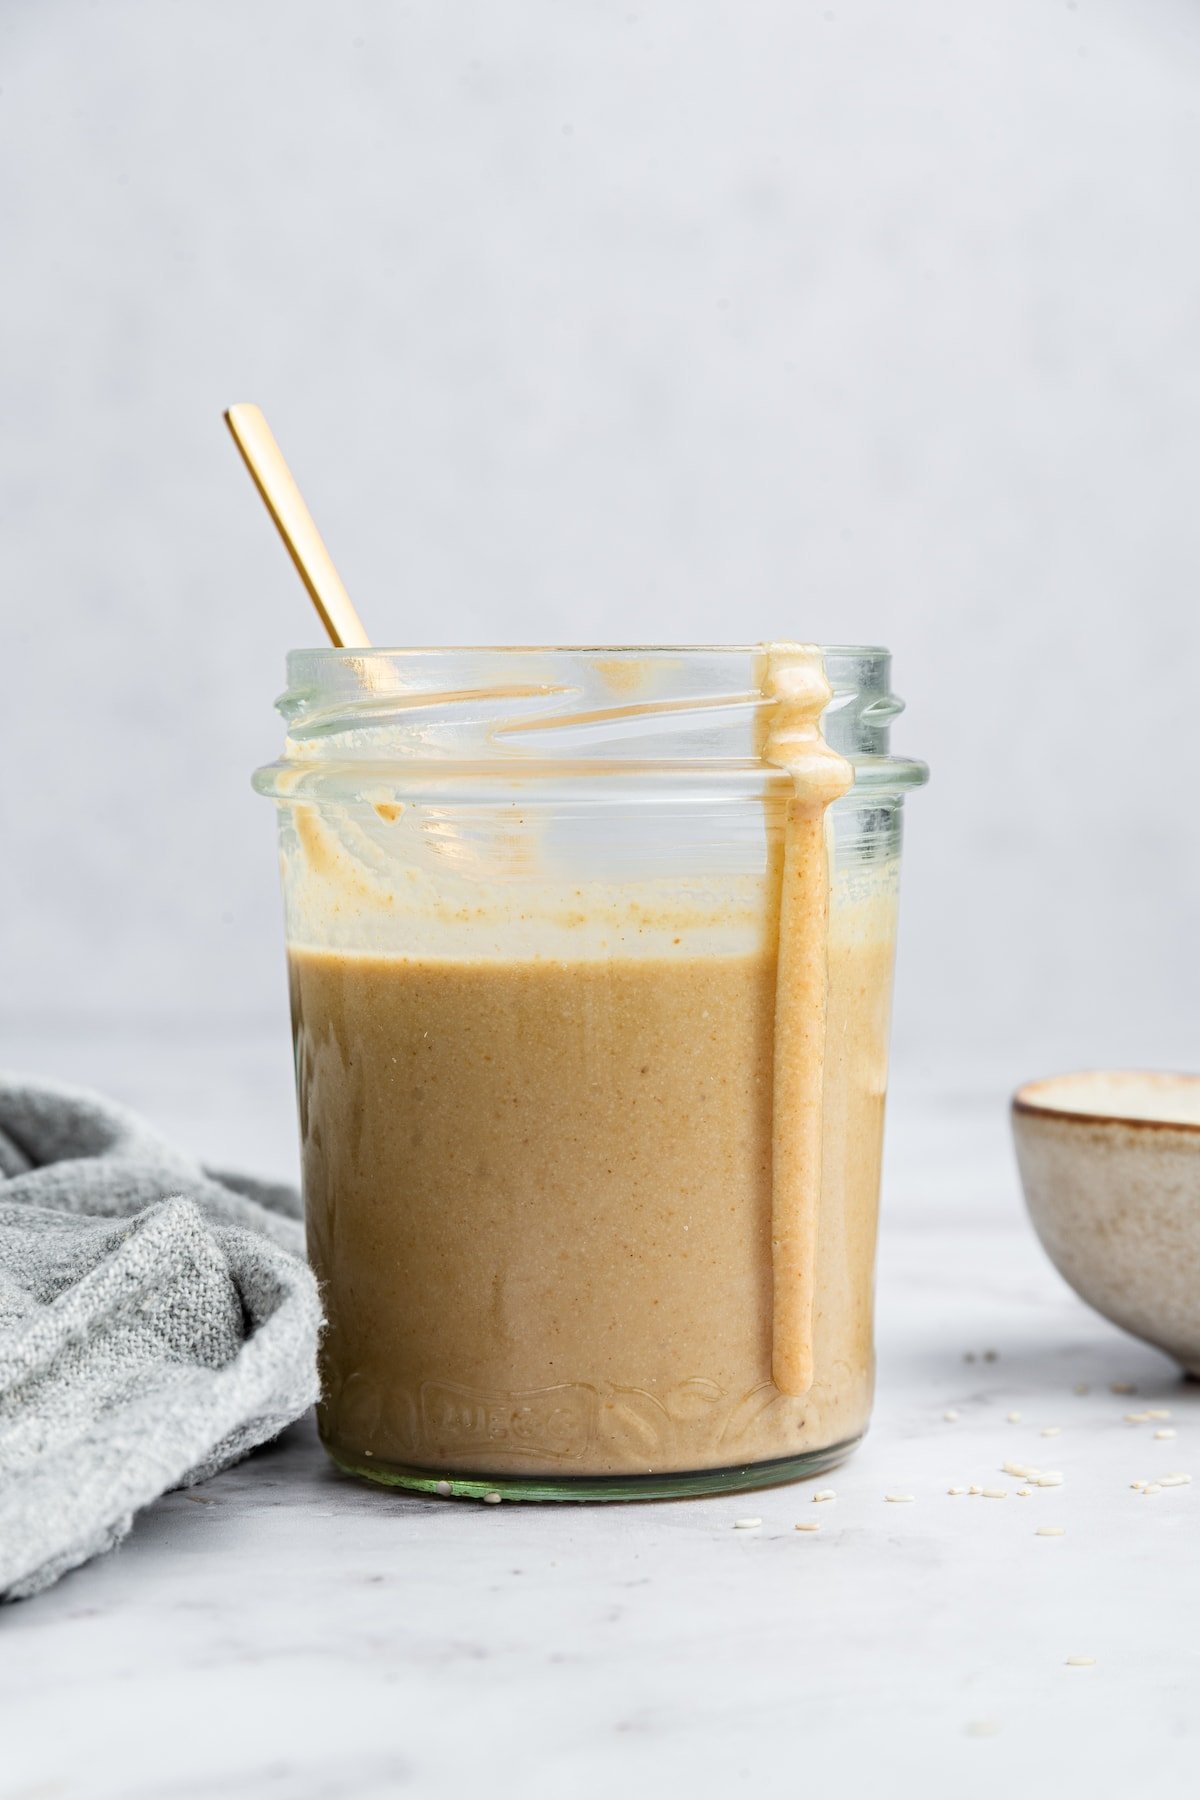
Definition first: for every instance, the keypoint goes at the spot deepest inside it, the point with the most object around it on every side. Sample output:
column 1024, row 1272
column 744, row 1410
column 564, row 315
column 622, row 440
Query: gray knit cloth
column 157, row 1321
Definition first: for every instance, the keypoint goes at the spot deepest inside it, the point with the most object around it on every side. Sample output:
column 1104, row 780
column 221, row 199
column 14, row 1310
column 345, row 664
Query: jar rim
column 332, row 652
column 425, row 714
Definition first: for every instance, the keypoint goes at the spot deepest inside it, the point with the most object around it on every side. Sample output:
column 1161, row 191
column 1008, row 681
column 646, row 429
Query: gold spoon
column 296, row 526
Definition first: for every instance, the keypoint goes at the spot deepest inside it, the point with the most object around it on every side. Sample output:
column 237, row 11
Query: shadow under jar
column 589, row 1154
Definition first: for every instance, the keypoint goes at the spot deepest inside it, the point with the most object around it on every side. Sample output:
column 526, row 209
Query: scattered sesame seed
column 1081, row 1662
column 1159, row 1412
column 746, row 1524
column 1051, row 1430
column 492, row 1499
column 1052, row 1479
column 1165, row 1431
column 1152, row 1487
column 899, row 1499
column 824, row 1494
column 809, row 1525
column 956, row 1490
column 974, row 1490
column 1122, row 1387
column 995, row 1493
column 950, row 1415
column 1014, row 1418
column 1051, row 1531
column 1024, row 1493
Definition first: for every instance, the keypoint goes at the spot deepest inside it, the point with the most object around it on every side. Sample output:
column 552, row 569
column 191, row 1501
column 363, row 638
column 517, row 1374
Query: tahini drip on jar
column 794, row 680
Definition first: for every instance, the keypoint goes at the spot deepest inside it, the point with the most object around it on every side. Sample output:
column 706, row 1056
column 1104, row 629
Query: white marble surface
column 287, row 1634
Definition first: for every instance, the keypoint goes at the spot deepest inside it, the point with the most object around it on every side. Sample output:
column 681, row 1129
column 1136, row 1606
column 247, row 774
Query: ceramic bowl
column 1110, row 1164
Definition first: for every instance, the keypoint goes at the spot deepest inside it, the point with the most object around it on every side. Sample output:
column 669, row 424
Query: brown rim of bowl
column 1033, row 1109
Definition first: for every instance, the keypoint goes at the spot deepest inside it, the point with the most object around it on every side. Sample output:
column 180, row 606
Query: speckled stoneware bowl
column 1110, row 1164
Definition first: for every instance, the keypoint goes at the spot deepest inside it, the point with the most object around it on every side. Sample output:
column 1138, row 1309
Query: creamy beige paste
column 613, row 1215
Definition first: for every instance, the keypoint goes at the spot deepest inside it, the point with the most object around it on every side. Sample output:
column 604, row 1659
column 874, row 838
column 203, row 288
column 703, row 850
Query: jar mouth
column 418, row 718
column 331, row 653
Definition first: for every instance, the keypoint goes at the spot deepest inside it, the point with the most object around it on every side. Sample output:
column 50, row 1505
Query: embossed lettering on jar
column 590, row 957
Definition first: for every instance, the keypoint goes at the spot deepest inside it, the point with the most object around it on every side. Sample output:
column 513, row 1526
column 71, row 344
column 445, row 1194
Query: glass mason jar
column 590, row 1156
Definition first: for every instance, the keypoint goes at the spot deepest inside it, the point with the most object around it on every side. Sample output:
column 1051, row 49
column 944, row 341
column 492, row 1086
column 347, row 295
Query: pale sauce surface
column 539, row 1200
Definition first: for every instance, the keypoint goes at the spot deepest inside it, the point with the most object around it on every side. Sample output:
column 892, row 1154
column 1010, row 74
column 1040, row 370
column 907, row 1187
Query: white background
column 603, row 321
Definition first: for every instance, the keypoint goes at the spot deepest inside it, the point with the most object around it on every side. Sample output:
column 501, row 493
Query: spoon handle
column 295, row 524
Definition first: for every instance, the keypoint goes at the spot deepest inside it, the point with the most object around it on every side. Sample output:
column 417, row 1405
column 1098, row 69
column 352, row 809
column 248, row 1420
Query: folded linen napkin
column 157, row 1321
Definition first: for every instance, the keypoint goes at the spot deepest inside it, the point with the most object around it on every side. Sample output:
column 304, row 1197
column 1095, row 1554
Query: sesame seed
column 956, row 1490
column 1081, row 1662
column 1166, row 1431
column 1152, row 1487
column 995, row 1493
column 1014, row 1418
column 492, row 1499
column 899, row 1499
column 950, row 1415
column 1052, row 1479
column 746, row 1524
column 809, row 1525
column 1052, row 1431
column 1051, row 1531
column 824, row 1494
column 444, row 1489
